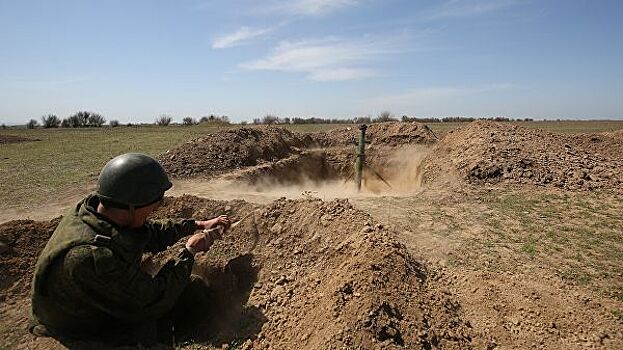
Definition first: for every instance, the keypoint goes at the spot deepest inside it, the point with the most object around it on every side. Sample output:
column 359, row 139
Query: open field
column 66, row 160
column 448, row 258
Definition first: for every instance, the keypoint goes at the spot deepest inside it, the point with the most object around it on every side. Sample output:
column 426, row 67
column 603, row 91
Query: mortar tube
column 361, row 156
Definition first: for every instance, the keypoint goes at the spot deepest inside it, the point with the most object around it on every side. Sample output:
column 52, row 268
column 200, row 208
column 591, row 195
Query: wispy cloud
column 328, row 59
column 311, row 7
column 239, row 37
column 466, row 8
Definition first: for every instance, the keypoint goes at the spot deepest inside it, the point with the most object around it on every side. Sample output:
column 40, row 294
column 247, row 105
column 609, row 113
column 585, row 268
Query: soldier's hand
column 201, row 242
column 222, row 220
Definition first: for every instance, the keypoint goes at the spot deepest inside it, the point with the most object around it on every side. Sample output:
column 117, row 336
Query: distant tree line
column 271, row 119
column 84, row 119
column 80, row 119
column 461, row 119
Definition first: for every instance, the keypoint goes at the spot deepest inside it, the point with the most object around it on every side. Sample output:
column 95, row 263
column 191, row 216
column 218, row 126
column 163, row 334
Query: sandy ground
column 504, row 263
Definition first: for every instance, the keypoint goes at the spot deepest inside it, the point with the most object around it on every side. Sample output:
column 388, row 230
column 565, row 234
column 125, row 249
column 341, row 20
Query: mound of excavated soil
column 301, row 274
column 14, row 139
column 324, row 277
column 386, row 134
column 20, row 244
column 227, row 150
column 273, row 149
column 493, row 152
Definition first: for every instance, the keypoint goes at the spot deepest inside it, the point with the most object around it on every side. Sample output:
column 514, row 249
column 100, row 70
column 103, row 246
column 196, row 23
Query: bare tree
column 95, row 120
column 270, row 119
column 163, row 120
column 33, row 123
column 50, row 121
column 84, row 119
column 384, row 116
column 189, row 121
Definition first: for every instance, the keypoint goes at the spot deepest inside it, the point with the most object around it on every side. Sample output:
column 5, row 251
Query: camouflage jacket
column 88, row 283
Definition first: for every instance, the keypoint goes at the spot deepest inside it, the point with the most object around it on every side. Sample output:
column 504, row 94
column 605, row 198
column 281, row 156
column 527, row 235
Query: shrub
column 163, row 120
column 214, row 119
column 79, row 119
column 362, row 120
column 270, row 119
column 113, row 123
column 95, row 120
column 66, row 123
column 384, row 116
column 189, row 121
column 50, row 121
column 83, row 119
column 32, row 124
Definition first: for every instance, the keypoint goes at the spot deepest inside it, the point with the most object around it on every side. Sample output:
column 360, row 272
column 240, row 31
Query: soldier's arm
column 122, row 290
column 165, row 233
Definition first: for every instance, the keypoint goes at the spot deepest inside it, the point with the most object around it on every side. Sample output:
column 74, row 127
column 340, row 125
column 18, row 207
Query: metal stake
column 361, row 156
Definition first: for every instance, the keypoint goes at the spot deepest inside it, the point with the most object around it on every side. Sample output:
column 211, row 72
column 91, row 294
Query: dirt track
column 486, row 262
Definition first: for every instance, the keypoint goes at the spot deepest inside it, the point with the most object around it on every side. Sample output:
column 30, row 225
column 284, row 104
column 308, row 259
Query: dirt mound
column 14, row 139
column 305, row 274
column 490, row 152
column 326, row 277
column 387, row 134
column 268, row 150
column 227, row 150
column 20, row 244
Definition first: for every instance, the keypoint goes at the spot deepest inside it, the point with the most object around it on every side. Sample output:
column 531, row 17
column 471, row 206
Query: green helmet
column 132, row 180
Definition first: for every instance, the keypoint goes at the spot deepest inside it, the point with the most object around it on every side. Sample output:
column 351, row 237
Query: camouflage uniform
column 88, row 283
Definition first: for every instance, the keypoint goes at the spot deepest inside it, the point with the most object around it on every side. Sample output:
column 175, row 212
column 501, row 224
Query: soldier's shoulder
column 91, row 257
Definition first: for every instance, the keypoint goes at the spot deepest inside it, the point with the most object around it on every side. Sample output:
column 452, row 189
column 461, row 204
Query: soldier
column 88, row 283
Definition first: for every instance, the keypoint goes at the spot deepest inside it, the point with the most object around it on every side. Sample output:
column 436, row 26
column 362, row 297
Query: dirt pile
column 307, row 274
column 14, row 139
column 490, row 152
column 286, row 156
column 20, row 244
column 326, row 277
column 386, row 134
column 227, row 150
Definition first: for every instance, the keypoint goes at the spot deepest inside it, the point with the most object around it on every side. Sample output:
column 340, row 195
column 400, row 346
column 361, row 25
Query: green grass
column 63, row 159
column 529, row 247
column 33, row 171
column 618, row 314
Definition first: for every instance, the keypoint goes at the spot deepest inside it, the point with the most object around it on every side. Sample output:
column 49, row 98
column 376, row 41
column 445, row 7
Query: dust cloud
column 398, row 166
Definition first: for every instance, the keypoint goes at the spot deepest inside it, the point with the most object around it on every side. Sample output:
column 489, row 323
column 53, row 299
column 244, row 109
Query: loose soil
column 490, row 152
column 14, row 139
column 307, row 272
column 494, row 237
column 269, row 149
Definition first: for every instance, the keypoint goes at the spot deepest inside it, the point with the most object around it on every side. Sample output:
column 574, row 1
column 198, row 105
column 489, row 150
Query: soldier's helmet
column 132, row 180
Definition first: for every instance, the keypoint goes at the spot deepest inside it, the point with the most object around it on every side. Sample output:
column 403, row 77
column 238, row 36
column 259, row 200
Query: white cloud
column 340, row 74
column 324, row 60
column 239, row 37
column 311, row 7
column 465, row 8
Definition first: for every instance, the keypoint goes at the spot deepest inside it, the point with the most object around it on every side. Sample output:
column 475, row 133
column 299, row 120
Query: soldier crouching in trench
column 88, row 284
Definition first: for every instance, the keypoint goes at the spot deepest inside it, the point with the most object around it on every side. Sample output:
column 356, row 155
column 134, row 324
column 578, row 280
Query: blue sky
column 135, row 60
